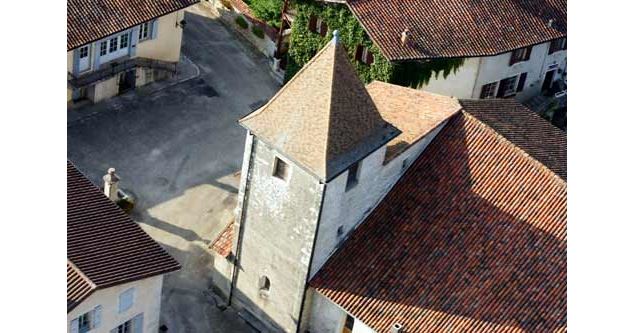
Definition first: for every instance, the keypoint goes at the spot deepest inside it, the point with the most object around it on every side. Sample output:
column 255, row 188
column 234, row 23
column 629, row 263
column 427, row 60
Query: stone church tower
column 306, row 150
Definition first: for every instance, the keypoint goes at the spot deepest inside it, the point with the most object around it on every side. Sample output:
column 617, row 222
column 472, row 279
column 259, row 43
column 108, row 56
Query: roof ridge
column 516, row 147
column 330, row 102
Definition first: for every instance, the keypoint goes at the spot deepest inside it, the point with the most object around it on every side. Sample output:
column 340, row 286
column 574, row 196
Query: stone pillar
column 111, row 182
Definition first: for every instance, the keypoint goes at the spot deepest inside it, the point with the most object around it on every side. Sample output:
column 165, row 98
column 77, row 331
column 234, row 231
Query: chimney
column 550, row 24
column 396, row 328
column 111, row 182
column 405, row 37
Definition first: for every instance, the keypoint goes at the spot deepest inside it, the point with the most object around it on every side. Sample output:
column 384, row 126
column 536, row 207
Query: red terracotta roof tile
column 103, row 243
column 471, row 239
column 223, row 243
column 524, row 128
column 90, row 20
column 460, row 28
column 78, row 286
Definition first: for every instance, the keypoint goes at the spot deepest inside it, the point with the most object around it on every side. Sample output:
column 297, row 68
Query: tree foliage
column 304, row 44
column 267, row 10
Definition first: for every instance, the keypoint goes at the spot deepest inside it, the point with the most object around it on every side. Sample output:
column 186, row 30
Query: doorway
column 127, row 81
column 546, row 84
column 84, row 58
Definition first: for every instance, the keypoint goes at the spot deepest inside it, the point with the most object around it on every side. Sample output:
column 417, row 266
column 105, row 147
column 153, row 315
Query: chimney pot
column 396, row 328
column 405, row 36
column 550, row 24
column 111, row 182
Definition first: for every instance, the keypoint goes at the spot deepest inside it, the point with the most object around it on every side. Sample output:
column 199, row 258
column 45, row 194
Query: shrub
column 242, row 22
column 258, row 32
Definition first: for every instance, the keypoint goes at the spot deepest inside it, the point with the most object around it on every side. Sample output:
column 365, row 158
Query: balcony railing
column 116, row 67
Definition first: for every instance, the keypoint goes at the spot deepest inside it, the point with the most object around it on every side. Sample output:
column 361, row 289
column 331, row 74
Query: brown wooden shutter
column 323, row 29
column 512, row 59
column 370, row 58
column 313, row 23
column 501, row 89
column 483, row 91
column 552, row 46
column 521, row 82
column 528, row 53
column 358, row 52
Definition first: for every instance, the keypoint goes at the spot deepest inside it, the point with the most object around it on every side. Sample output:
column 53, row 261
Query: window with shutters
column 489, row 90
column 87, row 321
column 520, row 55
column 318, row 26
column 507, row 87
column 364, row 55
column 126, row 300
column 521, row 82
column 134, row 325
column 144, row 31
column 280, row 169
column 558, row 45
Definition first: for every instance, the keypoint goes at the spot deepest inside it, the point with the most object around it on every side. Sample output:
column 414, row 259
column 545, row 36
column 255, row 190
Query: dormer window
column 520, row 55
column 280, row 169
column 352, row 177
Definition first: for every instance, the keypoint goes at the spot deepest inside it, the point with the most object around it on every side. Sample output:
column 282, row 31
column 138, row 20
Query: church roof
column 472, row 238
column 323, row 118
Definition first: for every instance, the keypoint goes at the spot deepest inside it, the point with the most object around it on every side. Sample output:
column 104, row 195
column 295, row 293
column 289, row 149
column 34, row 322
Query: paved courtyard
column 177, row 148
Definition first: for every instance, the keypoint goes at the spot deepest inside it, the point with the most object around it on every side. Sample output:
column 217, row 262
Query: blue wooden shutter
column 134, row 40
column 97, row 316
column 126, row 300
column 155, row 28
column 76, row 61
column 137, row 323
column 74, row 326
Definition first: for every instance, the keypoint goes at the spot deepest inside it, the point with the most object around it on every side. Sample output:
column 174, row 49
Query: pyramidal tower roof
column 323, row 118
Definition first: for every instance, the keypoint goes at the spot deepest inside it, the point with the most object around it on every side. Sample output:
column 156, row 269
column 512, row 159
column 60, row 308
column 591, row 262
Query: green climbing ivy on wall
column 304, row 44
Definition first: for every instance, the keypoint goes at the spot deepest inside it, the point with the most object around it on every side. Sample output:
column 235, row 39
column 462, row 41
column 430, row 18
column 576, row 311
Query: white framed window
column 126, row 300
column 87, row 321
column 83, row 52
column 103, row 48
column 144, row 31
column 123, row 41
column 113, row 45
column 489, row 90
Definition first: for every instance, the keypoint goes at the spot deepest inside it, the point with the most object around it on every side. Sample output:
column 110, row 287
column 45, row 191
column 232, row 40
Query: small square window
column 352, row 177
column 280, row 169
column 519, row 55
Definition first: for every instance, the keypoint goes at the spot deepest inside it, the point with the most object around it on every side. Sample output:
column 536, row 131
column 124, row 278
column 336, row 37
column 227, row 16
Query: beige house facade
column 131, row 307
column 125, row 60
